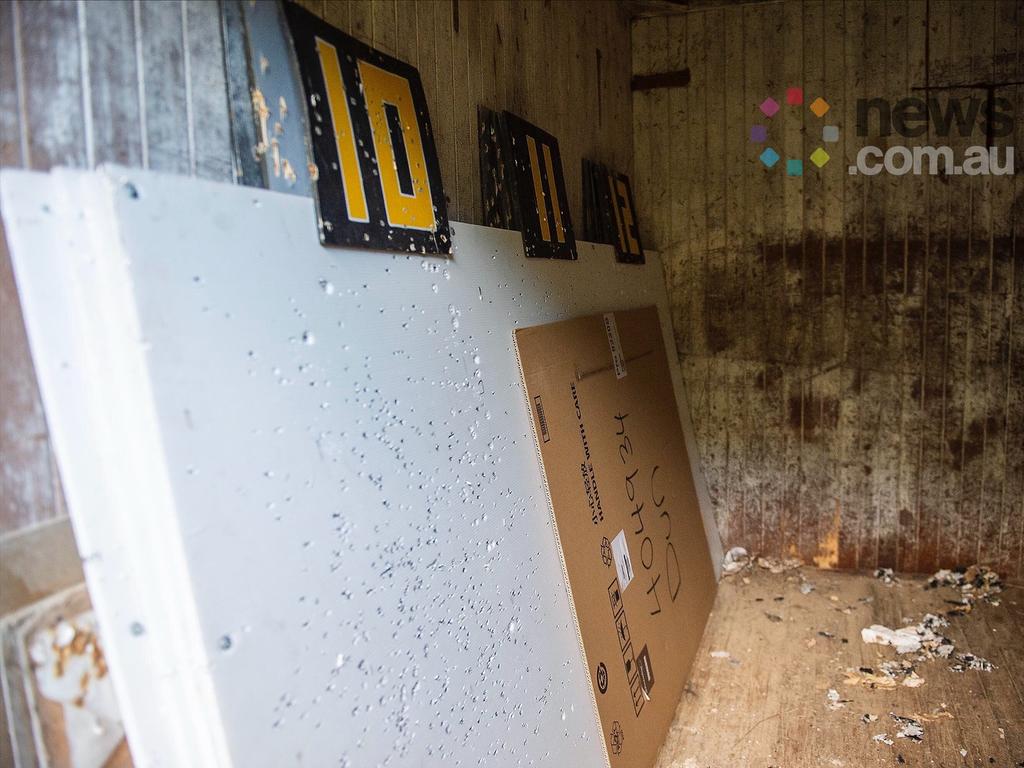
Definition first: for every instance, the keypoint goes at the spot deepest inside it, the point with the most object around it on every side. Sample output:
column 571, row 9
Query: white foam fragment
column 904, row 639
column 735, row 560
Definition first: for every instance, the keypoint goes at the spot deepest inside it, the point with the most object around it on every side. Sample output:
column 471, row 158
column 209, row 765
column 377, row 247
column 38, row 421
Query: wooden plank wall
column 143, row 84
column 83, row 83
column 853, row 346
column 564, row 66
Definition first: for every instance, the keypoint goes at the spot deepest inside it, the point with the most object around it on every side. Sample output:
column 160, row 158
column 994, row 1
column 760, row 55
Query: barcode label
column 612, row 329
column 623, row 564
column 541, row 419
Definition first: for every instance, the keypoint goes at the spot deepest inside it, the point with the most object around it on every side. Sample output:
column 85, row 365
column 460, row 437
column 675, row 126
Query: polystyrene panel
column 302, row 479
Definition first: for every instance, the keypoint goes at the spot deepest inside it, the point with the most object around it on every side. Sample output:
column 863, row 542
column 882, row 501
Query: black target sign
column 378, row 179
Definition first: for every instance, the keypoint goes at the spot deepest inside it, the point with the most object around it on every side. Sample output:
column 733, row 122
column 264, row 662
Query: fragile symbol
column 617, row 738
column 602, row 677
column 606, row 551
column 643, row 663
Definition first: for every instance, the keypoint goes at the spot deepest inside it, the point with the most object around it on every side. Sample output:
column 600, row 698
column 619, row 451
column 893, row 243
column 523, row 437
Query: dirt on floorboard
column 783, row 678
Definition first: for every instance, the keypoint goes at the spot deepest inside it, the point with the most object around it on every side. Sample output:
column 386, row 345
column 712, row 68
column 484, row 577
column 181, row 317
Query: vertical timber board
column 812, row 460
column 10, row 110
column 976, row 452
column 53, row 101
column 210, row 124
column 773, row 477
column 644, row 138
column 934, row 327
column 850, row 501
column 464, row 123
column 881, row 374
column 113, row 77
column 361, row 20
column 716, row 273
column 674, row 249
column 793, row 310
column 873, row 367
column 50, row 117
column 886, row 456
column 829, row 380
column 28, row 493
column 385, row 29
column 166, row 139
column 734, row 367
column 444, row 115
column 406, row 47
column 755, row 86
column 918, row 190
column 956, row 63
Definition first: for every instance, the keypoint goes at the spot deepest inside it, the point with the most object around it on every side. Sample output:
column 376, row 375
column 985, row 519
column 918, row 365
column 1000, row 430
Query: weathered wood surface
column 852, row 345
column 767, row 705
column 144, row 84
column 84, row 83
column 537, row 59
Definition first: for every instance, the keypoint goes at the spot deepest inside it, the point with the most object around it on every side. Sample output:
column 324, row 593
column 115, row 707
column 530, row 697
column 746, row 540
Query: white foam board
column 302, row 479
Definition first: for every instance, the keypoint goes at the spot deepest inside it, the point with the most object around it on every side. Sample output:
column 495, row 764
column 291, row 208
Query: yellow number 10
column 385, row 95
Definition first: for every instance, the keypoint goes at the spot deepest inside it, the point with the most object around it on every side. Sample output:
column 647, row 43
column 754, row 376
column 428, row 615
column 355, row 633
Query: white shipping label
column 623, row 565
column 612, row 329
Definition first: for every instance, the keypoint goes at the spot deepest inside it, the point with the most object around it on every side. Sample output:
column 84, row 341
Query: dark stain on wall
column 852, row 345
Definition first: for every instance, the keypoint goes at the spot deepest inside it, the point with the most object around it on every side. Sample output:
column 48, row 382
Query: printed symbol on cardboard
column 615, row 596
column 602, row 677
column 606, row 552
column 622, row 630
column 636, row 690
column 643, row 662
column 629, row 659
column 636, row 686
column 618, row 737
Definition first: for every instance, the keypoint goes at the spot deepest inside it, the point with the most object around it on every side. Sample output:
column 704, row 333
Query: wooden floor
column 767, row 703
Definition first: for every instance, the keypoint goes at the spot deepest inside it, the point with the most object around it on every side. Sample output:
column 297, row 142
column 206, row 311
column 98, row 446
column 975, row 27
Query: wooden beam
column 679, row 78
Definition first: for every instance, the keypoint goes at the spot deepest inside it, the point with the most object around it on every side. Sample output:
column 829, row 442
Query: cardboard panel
column 379, row 182
column 627, row 515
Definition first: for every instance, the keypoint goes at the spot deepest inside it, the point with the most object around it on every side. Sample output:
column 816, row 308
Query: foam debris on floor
column 856, row 669
column 909, row 728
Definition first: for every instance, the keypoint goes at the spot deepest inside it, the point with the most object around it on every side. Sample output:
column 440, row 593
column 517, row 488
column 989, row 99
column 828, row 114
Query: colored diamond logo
column 758, row 134
column 769, row 106
column 794, row 167
column 830, row 133
column 819, row 107
column 819, row 157
column 769, row 157
column 794, row 96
